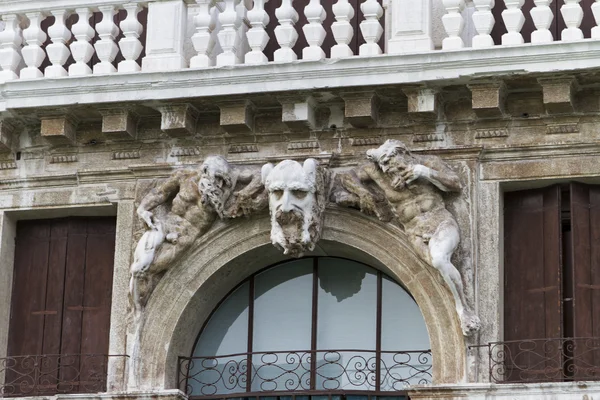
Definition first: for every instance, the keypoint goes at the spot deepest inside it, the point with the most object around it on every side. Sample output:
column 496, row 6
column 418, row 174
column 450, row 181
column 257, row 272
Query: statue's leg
column 441, row 247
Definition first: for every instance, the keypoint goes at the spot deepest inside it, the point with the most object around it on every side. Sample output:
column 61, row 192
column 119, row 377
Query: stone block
column 7, row 130
column 488, row 99
column 178, row 120
column 119, row 123
column 362, row 108
column 237, row 116
column 58, row 129
column 422, row 101
column 298, row 113
column 558, row 94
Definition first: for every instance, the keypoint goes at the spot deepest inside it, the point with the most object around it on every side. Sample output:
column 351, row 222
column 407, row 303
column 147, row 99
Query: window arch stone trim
column 188, row 293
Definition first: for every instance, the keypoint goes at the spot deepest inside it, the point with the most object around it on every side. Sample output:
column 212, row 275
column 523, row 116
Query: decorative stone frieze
column 126, row 155
column 63, row 159
column 431, row 137
column 7, row 165
column 562, row 128
column 367, row 141
column 296, row 201
column 409, row 191
column 185, row 152
column 303, row 145
column 490, row 133
column 243, row 148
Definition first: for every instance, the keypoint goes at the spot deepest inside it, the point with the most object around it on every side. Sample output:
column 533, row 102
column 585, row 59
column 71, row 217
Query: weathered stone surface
column 119, row 123
column 59, row 129
column 558, row 94
column 362, row 108
column 298, row 113
column 178, row 120
column 237, row 117
column 7, row 132
column 422, row 102
column 488, row 99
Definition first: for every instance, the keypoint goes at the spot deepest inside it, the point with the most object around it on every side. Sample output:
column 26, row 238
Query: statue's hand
column 146, row 216
column 415, row 172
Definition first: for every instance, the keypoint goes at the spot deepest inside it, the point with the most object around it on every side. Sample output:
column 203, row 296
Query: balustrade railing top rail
column 59, row 38
column 306, row 371
column 47, row 375
column 544, row 360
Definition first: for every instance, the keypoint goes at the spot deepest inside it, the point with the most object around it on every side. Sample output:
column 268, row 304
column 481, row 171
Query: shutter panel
column 532, row 285
column 585, row 222
column 28, row 305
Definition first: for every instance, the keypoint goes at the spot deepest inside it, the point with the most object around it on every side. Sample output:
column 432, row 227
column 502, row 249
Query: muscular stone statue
column 396, row 184
column 296, row 202
column 182, row 209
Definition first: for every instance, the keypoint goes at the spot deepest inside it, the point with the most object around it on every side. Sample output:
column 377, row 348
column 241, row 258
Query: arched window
column 310, row 325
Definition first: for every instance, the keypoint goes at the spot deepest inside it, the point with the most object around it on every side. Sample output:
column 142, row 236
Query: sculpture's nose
column 286, row 204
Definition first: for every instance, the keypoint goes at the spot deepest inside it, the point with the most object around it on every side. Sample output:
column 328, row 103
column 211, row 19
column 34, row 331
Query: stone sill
column 585, row 390
column 434, row 68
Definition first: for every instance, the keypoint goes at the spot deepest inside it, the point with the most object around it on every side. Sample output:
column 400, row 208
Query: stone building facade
column 156, row 155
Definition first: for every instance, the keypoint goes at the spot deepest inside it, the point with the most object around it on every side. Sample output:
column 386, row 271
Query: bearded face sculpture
column 296, row 203
column 216, row 183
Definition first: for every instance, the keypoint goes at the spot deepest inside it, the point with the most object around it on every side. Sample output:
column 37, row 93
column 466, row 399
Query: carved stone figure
column 396, row 184
column 182, row 209
column 296, row 202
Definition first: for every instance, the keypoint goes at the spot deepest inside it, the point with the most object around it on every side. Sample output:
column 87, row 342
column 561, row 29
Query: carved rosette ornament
column 296, row 203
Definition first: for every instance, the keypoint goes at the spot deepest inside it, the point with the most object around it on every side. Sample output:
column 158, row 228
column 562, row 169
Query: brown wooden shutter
column 585, row 222
column 532, row 284
column 61, row 303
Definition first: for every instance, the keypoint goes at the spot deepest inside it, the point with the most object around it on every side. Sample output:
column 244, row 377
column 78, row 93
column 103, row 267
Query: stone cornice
column 434, row 68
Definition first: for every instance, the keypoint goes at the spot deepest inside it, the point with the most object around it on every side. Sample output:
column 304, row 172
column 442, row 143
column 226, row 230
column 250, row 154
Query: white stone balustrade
column 233, row 32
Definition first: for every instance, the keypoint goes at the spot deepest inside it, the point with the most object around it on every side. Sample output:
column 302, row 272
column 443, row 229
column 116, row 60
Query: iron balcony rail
column 303, row 372
column 46, row 375
column 544, row 360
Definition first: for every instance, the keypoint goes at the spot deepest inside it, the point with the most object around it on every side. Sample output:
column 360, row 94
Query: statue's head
column 216, row 183
column 295, row 197
column 392, row 158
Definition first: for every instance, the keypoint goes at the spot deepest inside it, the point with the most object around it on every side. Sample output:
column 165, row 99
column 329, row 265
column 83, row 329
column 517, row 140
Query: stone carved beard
column 294, row 231
column 395, row 167
column 215, row 184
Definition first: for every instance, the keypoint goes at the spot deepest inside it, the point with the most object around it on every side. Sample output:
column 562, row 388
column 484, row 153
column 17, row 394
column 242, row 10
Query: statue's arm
column 253, row 182
column 158, row 196
column 251, row 197
column 434, row 170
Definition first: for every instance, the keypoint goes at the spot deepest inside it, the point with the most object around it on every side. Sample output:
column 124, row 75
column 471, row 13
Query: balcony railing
column 303, row 372
column 56, row 38
column 47, row 375
column 545, row 360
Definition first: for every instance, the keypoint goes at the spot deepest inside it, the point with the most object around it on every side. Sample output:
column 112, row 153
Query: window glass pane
column 347, row 318
column 402, row 329
column 226, row 333
column 282, row 322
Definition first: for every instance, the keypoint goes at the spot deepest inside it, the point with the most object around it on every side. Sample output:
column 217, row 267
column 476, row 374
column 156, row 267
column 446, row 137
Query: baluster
column 258, row 38
column 371, row 28
column 203, row 39
column 228, row 35
column 572, row 14
column 483, row 19
column 82, row 50
column 454, row 24
column 130, row 45
column 106, row 48
column 314, row 31
column 58, row 52
column 285, row 32
column 596, row 12
column 342, row 29
column 10, row 44
column 33, row 54
column 513, row 20
column 542, row 18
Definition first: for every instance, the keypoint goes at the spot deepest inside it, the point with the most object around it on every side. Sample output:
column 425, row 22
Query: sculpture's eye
column 299, row 194
column 278, row 193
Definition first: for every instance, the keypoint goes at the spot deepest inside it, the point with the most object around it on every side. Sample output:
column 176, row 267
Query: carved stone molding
column 126, row 155
column 60, row 159
column 185, row 152
column 243, row 148
column 303, row 145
